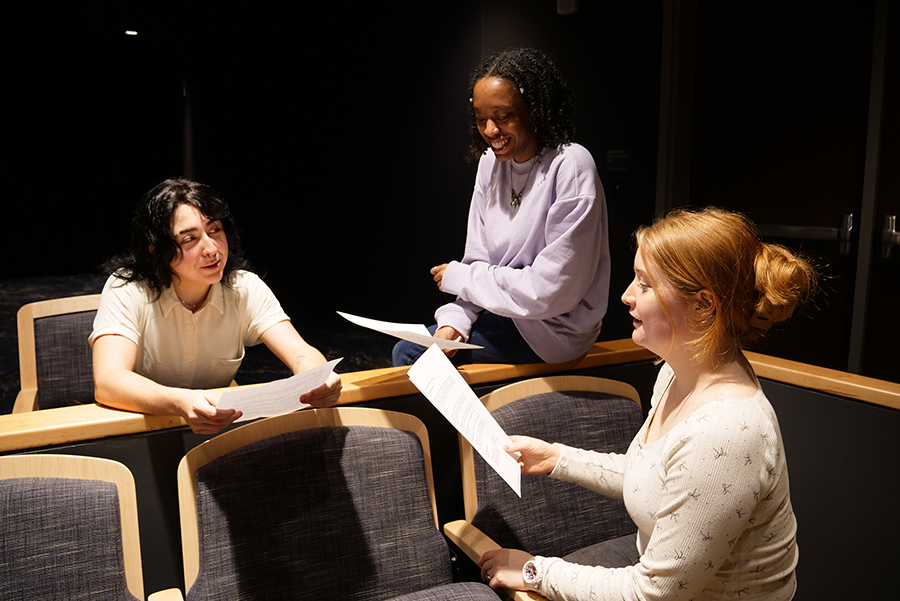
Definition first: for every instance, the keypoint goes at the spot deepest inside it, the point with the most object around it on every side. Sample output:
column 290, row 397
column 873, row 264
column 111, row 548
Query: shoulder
column 571, row 157
column 250, row 291
column 124, row 309
column 246, row 284
column 573, row 169
column 574, row 152
column 245, row 279
column 117, row 286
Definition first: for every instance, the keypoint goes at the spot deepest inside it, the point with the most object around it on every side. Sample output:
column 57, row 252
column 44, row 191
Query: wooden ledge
column 831, row 381
column 36, row 429
column 49, row 427
column 393, row 381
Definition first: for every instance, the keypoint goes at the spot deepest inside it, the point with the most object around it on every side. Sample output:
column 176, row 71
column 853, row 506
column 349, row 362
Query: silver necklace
column 516, row 197
column 187, row 304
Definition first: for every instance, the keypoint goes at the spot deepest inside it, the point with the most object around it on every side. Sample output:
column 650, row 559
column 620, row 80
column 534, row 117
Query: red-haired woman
column 705, row 479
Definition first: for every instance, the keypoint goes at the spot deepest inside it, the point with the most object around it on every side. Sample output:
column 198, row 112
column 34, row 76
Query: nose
column 490, row 128
column 628, row 295
column 209, row 246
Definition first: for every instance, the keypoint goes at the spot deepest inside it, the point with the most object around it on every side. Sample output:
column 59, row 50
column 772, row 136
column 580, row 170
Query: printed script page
column 442, row 384
column 280, row 396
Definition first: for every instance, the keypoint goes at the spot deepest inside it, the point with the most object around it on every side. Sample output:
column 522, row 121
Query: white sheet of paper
column 417, row 333
column 442, row 384
column 280, row 396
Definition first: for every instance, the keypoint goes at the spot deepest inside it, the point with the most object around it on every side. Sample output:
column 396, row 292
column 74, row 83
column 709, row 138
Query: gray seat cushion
column 461, row 591
column 613, row 553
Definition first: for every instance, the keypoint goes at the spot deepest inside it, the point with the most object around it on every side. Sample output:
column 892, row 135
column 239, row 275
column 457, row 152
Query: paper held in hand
column 436, row 377
column 280, row 396
column 417, row 333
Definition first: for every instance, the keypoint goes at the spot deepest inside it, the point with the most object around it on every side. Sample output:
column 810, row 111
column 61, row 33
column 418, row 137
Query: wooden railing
column 88, row 422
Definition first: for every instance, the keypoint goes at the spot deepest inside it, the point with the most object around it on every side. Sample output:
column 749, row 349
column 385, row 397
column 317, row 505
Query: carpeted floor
column 360, row 348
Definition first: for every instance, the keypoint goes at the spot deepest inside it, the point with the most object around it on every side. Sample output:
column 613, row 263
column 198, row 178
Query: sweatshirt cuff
column 457, row 317
column 452, row 276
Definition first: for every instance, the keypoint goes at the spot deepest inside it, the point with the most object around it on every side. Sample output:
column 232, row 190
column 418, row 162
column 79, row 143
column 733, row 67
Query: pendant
column 516, row 198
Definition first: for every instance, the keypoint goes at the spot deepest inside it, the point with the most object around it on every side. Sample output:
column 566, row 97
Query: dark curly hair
column 153, row 247
column 538, row 82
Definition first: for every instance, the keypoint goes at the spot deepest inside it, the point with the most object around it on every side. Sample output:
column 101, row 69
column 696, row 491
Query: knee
column 405, row 353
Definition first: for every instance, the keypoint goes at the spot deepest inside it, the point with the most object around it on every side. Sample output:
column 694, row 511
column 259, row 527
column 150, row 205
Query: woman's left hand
column 503, row 568
column 325, row 395
column 438, row 272
column 448, row 333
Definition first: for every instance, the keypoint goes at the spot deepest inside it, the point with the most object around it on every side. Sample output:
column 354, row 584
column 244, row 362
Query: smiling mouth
column 500, row 144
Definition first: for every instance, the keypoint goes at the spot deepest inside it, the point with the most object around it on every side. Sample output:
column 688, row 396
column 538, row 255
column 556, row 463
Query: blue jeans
column 498, row 335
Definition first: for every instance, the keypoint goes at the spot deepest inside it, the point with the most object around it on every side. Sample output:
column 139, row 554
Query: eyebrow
column 194, row 229
column 186, row 231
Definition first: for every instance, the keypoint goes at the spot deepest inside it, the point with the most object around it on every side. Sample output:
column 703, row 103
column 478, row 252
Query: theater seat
column 318, row 504
column 552, row 518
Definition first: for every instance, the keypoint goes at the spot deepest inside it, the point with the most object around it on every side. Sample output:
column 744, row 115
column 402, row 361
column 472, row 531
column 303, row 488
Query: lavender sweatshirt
column 545, row 264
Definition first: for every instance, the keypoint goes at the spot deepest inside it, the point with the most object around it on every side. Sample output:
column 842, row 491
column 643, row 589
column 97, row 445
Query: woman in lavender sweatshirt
column 534, row 282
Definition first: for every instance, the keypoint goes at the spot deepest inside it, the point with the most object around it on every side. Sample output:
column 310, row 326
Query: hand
column 537, row 457
column 502, row 568
column 203, row 416
column 438, row 273
column 448, row 333
column 325, row 395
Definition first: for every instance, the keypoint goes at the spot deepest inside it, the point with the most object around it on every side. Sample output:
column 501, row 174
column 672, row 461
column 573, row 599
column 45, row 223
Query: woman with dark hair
column 534, row 280
column 705, row 479
column 179, row 308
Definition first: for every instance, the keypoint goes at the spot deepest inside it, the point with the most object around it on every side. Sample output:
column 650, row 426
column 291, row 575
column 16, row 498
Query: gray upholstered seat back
column 324, row 513
column 64, row 361
column 61, row 539
column 555, row 518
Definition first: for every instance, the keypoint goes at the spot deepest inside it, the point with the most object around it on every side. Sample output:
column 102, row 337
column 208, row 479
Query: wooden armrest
column 169, row 594
column 472, row 541
column 26, row 400
column 475, row 543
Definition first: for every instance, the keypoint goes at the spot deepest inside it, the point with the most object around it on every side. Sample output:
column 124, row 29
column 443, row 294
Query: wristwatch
column 533, row 573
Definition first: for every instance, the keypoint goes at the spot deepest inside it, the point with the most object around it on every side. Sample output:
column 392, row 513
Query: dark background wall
column 336, row 134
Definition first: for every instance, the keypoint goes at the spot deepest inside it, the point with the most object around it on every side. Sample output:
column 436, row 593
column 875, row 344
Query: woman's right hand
column 203, row 416
column 437, row 274
column 535, row 456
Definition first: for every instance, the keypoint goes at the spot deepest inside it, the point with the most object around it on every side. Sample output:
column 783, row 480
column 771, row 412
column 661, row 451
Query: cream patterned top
column 711, row 501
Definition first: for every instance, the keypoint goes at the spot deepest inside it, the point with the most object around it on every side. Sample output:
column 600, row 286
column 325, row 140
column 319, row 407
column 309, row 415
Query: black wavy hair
column 153, row 247
column 538, row 82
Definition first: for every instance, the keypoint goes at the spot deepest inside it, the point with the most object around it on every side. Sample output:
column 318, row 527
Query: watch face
column 530, row 572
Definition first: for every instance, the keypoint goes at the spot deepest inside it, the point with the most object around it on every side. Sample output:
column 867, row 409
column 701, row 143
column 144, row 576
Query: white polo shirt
column 183, row 349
